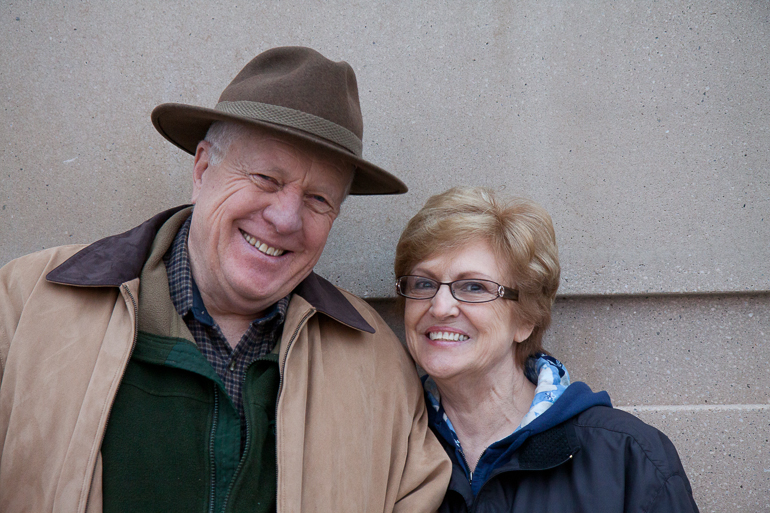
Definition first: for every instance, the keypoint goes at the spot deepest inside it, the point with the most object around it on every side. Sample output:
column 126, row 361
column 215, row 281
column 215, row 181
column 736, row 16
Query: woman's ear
column 522, row 333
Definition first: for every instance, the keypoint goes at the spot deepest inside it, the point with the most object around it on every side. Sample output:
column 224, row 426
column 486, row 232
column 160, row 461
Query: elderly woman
column 479, row 276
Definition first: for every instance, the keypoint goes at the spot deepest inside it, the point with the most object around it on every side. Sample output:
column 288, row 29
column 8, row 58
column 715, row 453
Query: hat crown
column 291, row 91
column 303, row 80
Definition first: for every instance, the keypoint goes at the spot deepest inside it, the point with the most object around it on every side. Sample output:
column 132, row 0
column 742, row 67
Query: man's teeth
column 264, row 248
column 445, row 335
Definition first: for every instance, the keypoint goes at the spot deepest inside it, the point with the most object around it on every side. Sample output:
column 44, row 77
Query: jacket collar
column 117, row 259
column 542, row 451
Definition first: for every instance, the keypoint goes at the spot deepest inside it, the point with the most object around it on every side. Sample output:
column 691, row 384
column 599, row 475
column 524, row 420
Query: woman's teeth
column 261, row 246
column 444, row 335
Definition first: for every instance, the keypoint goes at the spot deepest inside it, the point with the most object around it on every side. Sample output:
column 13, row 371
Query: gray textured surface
column 644, row 129
column 724, row 452
column 677, row 351
column 667, row 350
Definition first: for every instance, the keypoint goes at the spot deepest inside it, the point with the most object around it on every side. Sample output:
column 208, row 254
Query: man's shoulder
column 40, row 262
column 384, row 341
column 370, row 315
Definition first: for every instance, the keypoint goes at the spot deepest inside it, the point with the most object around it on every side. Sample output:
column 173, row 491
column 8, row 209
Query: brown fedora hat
column 291, row 90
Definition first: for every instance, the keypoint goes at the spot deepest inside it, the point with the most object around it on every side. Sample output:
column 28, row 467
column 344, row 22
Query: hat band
column 315, row 125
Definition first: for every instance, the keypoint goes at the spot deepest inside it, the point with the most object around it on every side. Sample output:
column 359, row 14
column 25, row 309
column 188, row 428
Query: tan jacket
column 352, row 429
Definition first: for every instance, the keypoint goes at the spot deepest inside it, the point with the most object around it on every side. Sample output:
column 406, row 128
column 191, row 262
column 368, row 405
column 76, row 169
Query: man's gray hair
column 221, row 135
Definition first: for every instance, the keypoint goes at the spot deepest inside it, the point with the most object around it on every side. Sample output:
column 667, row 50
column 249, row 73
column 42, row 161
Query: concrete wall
column 643, row 127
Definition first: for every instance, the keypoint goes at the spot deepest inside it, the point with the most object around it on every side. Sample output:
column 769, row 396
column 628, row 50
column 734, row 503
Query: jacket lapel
column 328, row 300
column 114, row 260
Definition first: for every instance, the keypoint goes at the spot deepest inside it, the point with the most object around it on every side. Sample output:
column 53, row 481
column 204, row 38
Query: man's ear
column 200, row 165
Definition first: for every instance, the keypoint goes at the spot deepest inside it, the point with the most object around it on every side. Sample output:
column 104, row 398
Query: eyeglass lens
column 471, row 291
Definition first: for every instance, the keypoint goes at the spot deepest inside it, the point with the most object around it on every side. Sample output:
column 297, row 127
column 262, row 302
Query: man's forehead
column 255, row 141
column 277, row 153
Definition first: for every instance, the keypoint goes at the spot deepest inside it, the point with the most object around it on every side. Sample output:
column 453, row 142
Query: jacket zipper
column 470, row 472
column 248, row 430
column 212, row 459
column 122, row 373
column 248, row 440
column 474, row 506
column 280, row 390
column 474, row 466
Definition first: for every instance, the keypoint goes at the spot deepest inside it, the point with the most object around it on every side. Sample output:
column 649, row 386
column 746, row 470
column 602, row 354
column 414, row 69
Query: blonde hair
column 521, row 234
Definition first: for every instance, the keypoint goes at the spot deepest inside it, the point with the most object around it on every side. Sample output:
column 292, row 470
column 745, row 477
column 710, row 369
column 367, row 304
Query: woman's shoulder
column 617, row 428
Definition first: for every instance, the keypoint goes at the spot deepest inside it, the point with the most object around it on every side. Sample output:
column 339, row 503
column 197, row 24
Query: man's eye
column 319, row 203
column 264, row 180
column 319, row 199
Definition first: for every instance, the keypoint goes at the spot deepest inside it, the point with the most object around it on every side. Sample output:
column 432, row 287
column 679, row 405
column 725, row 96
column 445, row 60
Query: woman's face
column 451, row 339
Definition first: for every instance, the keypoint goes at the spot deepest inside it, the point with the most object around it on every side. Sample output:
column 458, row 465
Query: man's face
column 261, row 219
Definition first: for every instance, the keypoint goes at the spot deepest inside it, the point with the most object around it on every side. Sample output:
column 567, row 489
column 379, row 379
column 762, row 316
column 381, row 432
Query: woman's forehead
column 476, row 259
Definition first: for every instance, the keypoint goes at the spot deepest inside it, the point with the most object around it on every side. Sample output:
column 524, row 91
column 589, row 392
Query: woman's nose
column 444, row 304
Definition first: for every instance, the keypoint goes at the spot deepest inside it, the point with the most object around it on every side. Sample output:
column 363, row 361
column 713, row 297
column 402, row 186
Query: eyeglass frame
column 502, row 291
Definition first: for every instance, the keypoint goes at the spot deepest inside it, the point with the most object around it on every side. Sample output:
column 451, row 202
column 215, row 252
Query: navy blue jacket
column 581, row 455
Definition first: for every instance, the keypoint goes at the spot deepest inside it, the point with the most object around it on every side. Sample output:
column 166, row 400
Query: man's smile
column 261, row 246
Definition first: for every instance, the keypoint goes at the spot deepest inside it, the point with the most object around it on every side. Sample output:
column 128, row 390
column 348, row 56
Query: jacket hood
column 114, row 260
column 576, row 399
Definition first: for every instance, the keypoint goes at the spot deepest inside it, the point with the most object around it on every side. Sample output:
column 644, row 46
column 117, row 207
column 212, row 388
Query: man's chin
column 265, row 295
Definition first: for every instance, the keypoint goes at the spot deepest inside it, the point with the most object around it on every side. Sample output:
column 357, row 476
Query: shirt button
column 232, row 366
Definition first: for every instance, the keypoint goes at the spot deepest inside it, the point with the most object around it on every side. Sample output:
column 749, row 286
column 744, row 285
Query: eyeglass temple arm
column 507, row 293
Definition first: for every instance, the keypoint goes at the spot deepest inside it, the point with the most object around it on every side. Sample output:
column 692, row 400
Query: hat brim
column 186, row 125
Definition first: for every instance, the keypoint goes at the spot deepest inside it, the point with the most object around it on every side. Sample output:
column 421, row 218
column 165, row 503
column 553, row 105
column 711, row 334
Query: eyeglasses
column 467, row 291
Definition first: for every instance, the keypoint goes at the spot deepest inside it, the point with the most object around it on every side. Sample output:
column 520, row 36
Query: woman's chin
column 442, row 369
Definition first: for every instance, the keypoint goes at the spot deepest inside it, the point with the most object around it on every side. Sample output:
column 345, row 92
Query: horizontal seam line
column 695, row 407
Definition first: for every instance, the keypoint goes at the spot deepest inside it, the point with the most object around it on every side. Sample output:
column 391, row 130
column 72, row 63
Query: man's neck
column 233, row 327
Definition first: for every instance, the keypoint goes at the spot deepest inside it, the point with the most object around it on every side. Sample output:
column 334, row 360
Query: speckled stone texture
column 642, row 127
column 696, row 350
column 696, row 367
column 725, row 452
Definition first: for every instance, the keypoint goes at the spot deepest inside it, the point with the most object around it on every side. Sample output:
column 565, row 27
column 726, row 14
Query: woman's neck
column 485, row 409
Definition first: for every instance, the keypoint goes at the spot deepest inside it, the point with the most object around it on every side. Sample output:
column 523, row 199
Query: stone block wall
column 644, row 128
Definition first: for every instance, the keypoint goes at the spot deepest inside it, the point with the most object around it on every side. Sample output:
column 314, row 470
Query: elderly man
column 196, row 362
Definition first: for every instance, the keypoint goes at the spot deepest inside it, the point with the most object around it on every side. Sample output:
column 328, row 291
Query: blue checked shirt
column 230, row 364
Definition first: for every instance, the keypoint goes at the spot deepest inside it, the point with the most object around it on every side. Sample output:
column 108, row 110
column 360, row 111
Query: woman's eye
column 424, row 285
column 474, row 287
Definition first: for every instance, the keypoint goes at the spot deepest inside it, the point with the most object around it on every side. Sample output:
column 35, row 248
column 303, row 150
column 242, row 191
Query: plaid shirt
column 230, row 364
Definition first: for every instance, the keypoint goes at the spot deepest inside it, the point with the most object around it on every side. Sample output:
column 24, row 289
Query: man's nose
column 285, row 211
column 444, row 304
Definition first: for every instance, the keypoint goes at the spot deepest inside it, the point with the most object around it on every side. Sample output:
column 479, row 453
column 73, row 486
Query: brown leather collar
column 114, row 260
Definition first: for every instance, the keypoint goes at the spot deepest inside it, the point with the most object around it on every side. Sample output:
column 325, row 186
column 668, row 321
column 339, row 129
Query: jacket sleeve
column 427, row 468
column 13, row 295
column 18, row 280
column 675, row 497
